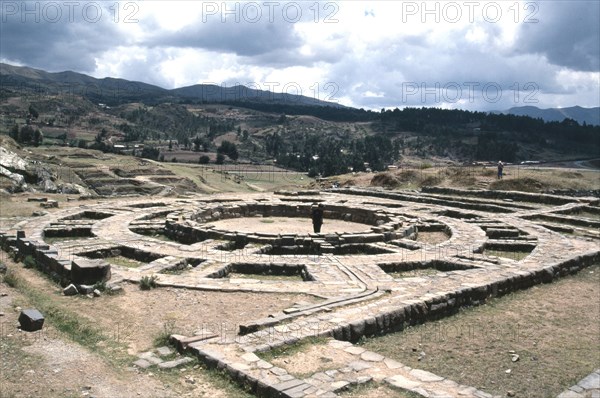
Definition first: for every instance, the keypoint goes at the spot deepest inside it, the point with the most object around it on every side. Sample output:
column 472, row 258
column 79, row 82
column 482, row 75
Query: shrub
column 148, row 282
column 29, row 262
column 11, row 278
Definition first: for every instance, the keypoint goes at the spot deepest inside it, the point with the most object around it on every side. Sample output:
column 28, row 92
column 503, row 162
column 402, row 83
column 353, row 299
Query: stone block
column 175, row 363
column 88, row 272
column 70, row 290
column 31, row 320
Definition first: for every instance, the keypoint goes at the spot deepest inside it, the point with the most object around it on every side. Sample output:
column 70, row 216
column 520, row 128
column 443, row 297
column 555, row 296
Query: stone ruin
column 357, row 272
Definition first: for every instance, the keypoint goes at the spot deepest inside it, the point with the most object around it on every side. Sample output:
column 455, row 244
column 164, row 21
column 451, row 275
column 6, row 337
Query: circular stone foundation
column 287, row 225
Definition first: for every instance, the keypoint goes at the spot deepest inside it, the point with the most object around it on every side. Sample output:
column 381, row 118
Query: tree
column 150, row 152
column 38, row 137
column 204, row 159
column 33, row 112
column 14, row 132
column 229, row 149
column 197, row 144
column 26, row 134
column 220, row 158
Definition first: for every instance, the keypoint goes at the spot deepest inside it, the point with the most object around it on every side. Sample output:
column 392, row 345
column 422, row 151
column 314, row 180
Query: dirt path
column 47, row 364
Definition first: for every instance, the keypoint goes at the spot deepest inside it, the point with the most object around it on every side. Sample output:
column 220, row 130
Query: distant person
column 500, row 169
column 317, row 217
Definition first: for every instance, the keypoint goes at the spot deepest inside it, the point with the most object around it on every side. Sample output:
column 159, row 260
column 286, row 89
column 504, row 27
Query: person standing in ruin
column 500, row 169
column 317, row 217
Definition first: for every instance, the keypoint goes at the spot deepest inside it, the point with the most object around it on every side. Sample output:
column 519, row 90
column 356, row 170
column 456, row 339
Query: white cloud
column 364, row 53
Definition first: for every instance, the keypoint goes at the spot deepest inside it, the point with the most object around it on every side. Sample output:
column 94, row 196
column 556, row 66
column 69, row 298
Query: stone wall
column 77, row 270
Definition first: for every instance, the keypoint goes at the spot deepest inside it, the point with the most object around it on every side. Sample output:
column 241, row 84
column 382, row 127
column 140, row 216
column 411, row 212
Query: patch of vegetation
column 11, row 278
column 75, row 327
column 53, row 239
column 29, row 262
column 148, row 282
column 526, row 184
column 163, row 338
column 513, row 255
column 376, row 390
column 417, row 272
column 266, row 277
column 432, row 237
column 124, row 261
column 290, row 349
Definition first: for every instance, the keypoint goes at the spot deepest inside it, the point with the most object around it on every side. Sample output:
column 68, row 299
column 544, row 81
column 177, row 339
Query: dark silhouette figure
column 317, row 217
column 500, row 169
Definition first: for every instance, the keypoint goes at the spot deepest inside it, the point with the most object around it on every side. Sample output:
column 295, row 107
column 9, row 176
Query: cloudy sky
column 477, row 55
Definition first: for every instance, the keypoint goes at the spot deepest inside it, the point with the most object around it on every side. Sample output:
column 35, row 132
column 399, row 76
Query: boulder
column 31, row 320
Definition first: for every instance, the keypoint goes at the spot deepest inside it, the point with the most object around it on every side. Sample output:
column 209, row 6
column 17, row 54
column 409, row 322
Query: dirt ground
column 534, row 343
column 311, row 359
column 286, row 225
column 48, row 363
column 554, row 331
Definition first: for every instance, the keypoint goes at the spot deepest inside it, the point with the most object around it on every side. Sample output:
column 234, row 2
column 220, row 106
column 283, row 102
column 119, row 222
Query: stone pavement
column 588, row 387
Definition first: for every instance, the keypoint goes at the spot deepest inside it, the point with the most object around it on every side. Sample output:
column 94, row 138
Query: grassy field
column 534, row 343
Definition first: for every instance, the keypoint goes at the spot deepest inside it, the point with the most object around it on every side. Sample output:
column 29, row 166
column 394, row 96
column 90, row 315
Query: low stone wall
column 383, row 226
column 441, row 306
column 124, row 251
column 492, row 208
column 512, row 195
column 78, row 270
column 414, row 312
column 263, row 269
column 303, row 210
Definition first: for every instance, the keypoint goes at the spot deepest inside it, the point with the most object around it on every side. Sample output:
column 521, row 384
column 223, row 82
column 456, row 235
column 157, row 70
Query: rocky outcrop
column 32, row 175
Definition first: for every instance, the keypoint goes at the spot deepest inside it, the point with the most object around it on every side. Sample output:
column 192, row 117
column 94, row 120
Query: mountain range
column 581, row 115
column 114, row 91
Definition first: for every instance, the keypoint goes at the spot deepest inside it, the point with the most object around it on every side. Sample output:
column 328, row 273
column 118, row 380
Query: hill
column 245, row 126
column 577, row 113
column 113, row 91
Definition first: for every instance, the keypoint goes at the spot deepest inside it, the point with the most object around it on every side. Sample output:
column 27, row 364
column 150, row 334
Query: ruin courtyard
column 383, row 262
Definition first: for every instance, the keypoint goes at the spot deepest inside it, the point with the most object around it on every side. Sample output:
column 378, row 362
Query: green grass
column 553, row 328
column 163, row 238
column 148, row 282
column 372, row 389
column 124, row 261
column 513, row 255
column 414, row 273
column 70, row 324
column 266, row 277
column 55, row 239
column 162, row 339
column 287, row 350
